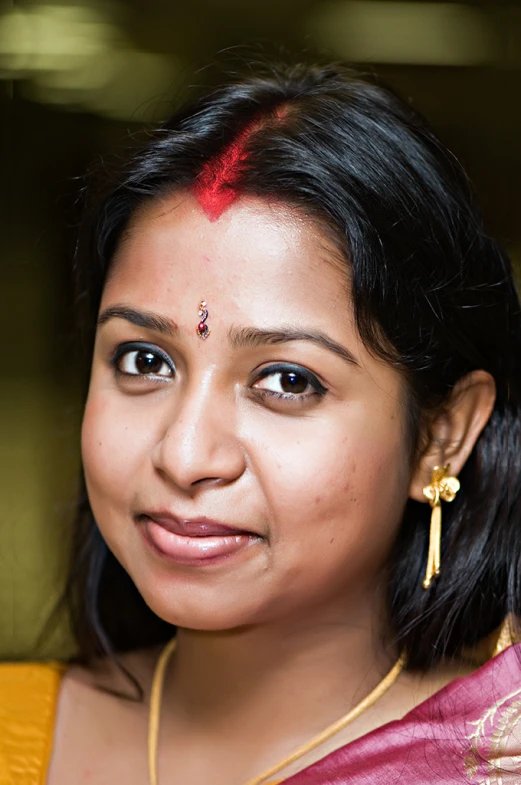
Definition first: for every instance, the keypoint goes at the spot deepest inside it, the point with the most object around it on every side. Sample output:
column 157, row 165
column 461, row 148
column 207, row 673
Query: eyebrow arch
column 149, row 321
column 239, row 337
column 246, row 337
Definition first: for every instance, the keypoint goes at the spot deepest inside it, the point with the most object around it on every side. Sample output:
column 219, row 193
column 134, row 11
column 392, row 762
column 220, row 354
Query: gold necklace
column 353, row 714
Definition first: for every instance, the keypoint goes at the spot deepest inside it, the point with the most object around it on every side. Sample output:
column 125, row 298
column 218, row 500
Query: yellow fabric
column 28, row 696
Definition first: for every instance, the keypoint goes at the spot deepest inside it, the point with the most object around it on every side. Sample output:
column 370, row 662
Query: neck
column 285, row 672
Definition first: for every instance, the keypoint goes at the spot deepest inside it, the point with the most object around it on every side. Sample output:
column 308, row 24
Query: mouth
column 193, row 542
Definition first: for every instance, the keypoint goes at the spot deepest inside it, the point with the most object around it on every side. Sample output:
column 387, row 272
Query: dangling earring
column 443, row 487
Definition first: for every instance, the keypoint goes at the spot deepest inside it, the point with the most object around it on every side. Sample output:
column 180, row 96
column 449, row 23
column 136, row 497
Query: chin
column 229, row 594
column 207, row 610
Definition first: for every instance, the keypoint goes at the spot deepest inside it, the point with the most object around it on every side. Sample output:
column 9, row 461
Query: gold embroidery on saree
column 494, row 755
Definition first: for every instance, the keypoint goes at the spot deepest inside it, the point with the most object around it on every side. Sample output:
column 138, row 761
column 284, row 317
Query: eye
column 289, row 382
column 142, row 360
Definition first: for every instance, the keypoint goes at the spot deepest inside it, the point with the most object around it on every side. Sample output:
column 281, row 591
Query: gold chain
column 155, row 708
column 155, row 711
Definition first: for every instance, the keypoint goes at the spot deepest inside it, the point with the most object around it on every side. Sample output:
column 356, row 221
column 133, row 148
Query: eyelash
column 279, row 368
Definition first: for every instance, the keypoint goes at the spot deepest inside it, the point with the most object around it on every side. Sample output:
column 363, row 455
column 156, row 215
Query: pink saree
column 469, row 732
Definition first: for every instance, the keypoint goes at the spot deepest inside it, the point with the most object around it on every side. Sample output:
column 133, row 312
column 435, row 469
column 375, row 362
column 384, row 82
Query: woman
column 301, row 449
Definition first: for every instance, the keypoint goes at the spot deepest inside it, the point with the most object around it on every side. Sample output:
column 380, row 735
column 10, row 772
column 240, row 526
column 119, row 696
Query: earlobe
column 454, row 432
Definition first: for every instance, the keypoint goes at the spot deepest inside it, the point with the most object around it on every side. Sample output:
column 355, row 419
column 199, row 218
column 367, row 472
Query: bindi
column 202, row 329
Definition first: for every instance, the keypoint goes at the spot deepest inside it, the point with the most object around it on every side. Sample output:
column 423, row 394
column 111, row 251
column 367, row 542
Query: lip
column 193, row 542
column 194, row 527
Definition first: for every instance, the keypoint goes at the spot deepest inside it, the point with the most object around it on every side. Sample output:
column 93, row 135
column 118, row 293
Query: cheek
column 337, row 490
column 112, row 445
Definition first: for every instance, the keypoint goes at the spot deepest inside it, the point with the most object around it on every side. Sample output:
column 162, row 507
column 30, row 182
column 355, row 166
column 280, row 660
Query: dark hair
column 433, row 294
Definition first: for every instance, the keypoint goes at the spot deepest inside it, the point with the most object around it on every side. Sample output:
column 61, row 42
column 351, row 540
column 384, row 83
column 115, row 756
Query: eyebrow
column 248, row 337
column 239, row 337
column 150, row 321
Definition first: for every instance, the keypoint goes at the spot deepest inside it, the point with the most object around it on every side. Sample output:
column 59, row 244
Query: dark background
column 76, row 79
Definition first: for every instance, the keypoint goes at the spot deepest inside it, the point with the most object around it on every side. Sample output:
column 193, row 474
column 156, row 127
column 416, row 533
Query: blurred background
column 76, row 79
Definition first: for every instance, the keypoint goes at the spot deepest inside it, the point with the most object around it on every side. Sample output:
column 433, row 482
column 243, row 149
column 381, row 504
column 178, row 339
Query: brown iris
column 148, row 362
column 293, row 382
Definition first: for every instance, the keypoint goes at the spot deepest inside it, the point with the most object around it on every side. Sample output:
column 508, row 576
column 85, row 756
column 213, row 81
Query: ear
column 455, row 430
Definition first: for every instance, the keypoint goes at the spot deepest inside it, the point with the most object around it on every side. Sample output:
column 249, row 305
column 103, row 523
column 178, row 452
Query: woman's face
column 258, row 474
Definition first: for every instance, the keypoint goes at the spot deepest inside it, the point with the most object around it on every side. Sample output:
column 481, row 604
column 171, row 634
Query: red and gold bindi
column 203, row 330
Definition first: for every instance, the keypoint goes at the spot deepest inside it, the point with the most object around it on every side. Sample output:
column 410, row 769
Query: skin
column 320, row 480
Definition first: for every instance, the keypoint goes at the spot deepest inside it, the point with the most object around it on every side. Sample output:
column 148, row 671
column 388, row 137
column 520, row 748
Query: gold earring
column 445, row 487
column 506, row 636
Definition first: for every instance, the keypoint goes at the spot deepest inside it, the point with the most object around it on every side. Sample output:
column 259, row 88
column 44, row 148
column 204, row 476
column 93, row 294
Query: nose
column 198, row 443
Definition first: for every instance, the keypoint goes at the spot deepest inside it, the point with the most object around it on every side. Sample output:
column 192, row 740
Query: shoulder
column 464, row 727
column 55, row 715
column 101, row 721
column 28, row 695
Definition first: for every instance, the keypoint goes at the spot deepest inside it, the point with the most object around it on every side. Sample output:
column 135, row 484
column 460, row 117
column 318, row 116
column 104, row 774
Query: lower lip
column 195, row 551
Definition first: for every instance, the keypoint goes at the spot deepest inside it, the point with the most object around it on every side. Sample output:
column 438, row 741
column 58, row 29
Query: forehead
column 259, row 258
